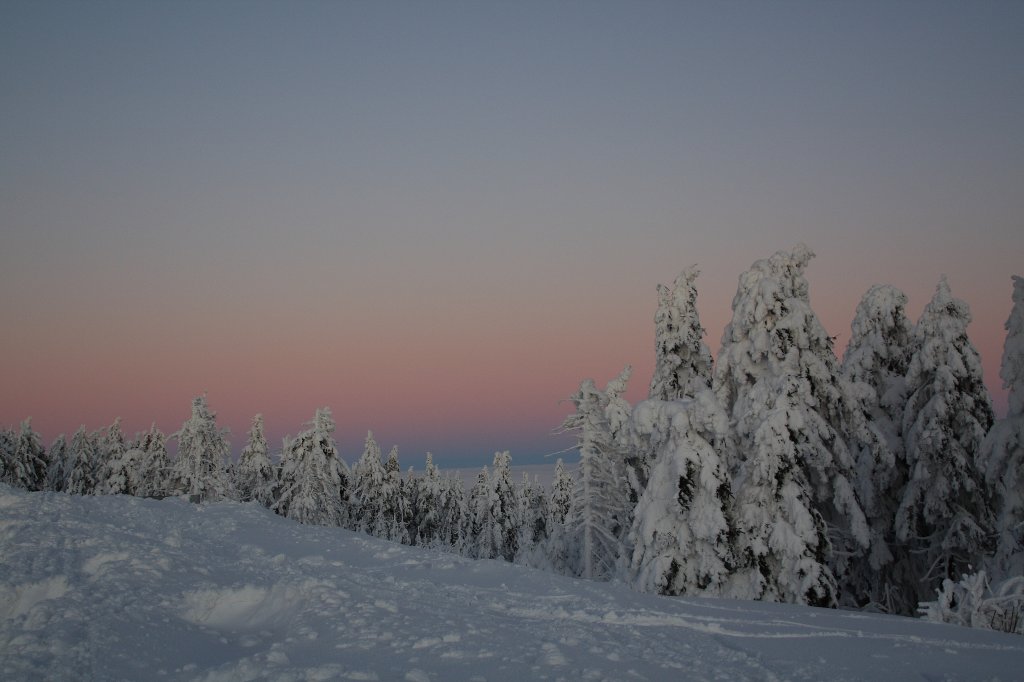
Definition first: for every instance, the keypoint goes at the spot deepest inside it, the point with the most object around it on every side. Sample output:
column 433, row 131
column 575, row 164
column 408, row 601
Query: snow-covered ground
column 110, row 588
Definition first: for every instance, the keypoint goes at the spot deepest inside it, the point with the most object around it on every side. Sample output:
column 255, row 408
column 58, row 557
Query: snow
column 116, row 587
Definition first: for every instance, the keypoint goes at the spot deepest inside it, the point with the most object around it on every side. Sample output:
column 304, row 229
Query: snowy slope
column 103, row 588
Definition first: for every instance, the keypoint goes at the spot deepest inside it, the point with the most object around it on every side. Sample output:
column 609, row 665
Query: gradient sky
column 437, row 218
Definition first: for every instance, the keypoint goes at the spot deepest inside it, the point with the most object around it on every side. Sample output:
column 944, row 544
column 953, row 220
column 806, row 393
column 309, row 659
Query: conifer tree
column 428, row 505
column 601, row 510
column 682, row 533
column 81, row 466
column 944, row 515
column 7, row 441
column 393, row 524
column 682, row 361
column 201, row 469
column 56, row 473
column 778, row 378
column 1002, row 453
column 451, row 522
column 156, row 474
column 110, row 449
column 313, row 476
column 367, row 488
column 560, row 502
column 29, row 463
column 255, row 479
column 875, row 365
column 533, row 532
column 505, row 508
column 479, row 535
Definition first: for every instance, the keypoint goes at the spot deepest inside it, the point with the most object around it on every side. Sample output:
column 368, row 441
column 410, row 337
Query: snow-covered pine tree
column 778, row 378
column 81, row 466
column 367, row 485
column 7, row 441
column 533, row 533
column 451, row 522
column 682, row 361
column 429, row 502
column 255, row 478
column 56, row 472
column 945, row 516
column 29, row 465
column 312, row 476
column 201, row 469
column 393, row 524
column 875, row 365
column 506, row 510
column 1002, row 453
column 560, row 502
column 110, row 449
column 682, row 534
column 601, row 509
column 156, row 471
column 479, row 533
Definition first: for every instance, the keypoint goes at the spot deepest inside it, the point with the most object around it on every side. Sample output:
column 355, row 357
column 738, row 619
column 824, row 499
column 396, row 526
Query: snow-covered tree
column 1002, row 453
column 156, row 469
column 451, row 520
column 313, row 476
column 479, row 535
column 560, row 502
column 124, row 472
column 201, row 469
column 681, row 534
column 110, row 449
column 255, row 478
column 81, row 464
column 778, row 378
column 601, row 509
column 367, row 488
column 533, row 533
column 682, row 361
column 428, row 505
column 394, row 520
column 875, row 366
column 945, row 515
column 505, row 508
column 56, row 472
column 28, row 465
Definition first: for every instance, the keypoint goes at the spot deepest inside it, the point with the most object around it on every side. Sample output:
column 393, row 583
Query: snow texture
column 116, row 588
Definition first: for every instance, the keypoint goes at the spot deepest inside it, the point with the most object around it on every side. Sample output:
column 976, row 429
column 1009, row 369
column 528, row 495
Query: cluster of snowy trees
column 308, row 481
column 776, row 472
column 779, row 472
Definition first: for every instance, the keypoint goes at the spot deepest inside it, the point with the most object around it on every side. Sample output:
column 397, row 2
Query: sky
column 438, row 218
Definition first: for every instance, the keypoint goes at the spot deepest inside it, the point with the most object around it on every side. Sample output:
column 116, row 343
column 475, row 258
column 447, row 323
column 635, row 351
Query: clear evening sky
column 437, row 218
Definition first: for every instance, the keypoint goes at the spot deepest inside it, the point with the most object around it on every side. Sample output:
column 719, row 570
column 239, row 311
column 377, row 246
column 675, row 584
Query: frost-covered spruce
column 601, row 511
column 7, row 440
column 506, row 517
column 451, row 521
column 110, row 449
column 875, row 365
column 479, row 533
column 156, row 471
column 393, row 523
column 81, row 464
column 428, row 506
column 201, row 468
column 56, row 472
column 367, row 487
column 944, row 516
column 561, row 494
column 1002, row 453
column 778, row 378
column 28, row 465
column 682, row 361
column 533, row 532
column 255, row 478
column 313, row 476
column 681, row 534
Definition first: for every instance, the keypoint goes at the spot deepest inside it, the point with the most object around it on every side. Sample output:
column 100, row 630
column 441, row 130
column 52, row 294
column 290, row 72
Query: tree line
column 775, row 471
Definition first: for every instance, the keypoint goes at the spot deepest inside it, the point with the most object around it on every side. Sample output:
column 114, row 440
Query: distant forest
column 775, row 471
